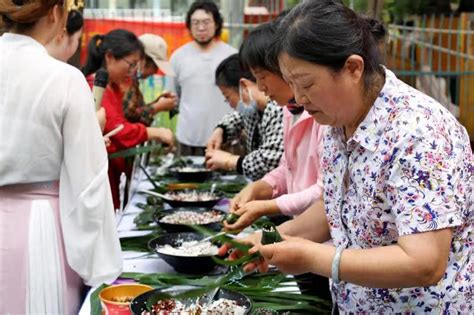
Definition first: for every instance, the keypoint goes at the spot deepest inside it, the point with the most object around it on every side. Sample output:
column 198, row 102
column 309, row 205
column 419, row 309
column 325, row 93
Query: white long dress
column 56, row 214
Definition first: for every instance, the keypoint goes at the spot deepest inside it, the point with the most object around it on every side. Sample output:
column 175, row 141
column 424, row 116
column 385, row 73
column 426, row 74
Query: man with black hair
column 201, row 105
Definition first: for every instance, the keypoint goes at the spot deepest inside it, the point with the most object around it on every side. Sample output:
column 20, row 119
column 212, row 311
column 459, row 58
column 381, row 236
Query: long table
column 137, row 261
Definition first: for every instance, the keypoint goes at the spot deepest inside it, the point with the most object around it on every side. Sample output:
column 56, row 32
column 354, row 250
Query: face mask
column 138, row 74
column 294, row 108
column 246, row 110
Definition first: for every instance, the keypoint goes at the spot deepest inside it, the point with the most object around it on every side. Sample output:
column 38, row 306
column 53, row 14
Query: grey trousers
column 184, row 149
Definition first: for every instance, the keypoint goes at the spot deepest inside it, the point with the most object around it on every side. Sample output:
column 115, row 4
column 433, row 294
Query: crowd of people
column 376, row 179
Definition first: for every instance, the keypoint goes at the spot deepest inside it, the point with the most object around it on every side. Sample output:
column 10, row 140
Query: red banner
column 174, row 33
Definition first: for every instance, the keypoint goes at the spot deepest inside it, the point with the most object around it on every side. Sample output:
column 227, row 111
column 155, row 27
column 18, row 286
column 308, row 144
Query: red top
column 132, row 133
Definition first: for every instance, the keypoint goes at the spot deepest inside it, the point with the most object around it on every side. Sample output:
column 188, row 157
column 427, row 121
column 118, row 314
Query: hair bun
column 377, row 28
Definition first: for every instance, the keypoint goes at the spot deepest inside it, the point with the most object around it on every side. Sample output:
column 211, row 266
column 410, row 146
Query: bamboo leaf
column 271, row 282
column 146, row 217
column 221, row 238
column 305, row 308
column 134, row 151
column 131, row 275
column 96, row 307
column 241, row 261
column 141, row 205
column 137, row 243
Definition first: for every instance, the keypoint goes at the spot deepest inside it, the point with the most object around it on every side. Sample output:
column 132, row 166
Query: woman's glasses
column 131, row 65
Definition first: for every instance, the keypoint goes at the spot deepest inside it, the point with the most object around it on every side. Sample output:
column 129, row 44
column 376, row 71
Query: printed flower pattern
column 407, row 169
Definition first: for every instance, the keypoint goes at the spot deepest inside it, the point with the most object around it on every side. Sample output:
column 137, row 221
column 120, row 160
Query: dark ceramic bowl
column 183, row 264
column 174, row 228
column 194, row 204
column 191, row 176
column 138, row 305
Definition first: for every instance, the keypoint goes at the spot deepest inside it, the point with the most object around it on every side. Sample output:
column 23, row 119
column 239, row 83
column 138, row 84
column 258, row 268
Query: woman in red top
column 119, row 52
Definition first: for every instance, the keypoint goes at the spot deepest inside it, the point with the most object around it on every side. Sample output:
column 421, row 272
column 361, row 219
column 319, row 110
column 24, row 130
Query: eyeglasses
column 205, row 23
column 132, row 65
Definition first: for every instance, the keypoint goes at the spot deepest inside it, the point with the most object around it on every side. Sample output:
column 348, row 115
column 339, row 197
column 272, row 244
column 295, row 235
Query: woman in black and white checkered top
column 260, row 120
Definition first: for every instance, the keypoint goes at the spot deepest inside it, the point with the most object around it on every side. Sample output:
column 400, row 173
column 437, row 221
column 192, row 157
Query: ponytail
column 95, row 55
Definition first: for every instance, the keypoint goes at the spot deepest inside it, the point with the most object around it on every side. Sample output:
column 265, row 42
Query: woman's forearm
column 416, row 261
column 311, row 224
column 261, row 190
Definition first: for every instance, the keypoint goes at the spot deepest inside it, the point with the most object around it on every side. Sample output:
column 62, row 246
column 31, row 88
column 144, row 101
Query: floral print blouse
column 407, row 169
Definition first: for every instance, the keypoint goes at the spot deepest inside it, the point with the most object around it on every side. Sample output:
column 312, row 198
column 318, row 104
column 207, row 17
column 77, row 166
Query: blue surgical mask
column 138, row 74
column 244, row 109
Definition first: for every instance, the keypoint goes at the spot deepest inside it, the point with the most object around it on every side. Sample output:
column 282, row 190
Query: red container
column 116, row 299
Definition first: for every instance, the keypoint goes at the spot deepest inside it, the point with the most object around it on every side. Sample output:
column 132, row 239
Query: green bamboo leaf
column 96, row 307
column 271, row 282
column 131, row 275
column 270, row 234
column 141, row 205
column 307, row 309
column 234, row 275
column 134, row 151
column 147, row 227
column 146, row 217
column 221, row 238
column 295, row 296
column 241, row 261
column 137, row 243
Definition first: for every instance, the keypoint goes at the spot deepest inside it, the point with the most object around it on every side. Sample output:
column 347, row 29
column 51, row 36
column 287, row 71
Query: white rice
column 189, row 249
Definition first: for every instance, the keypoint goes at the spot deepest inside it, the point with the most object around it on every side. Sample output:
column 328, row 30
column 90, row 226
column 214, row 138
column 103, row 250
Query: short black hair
column 74, row 23
column 254, row 48
column 230, row 71
column 209, row 7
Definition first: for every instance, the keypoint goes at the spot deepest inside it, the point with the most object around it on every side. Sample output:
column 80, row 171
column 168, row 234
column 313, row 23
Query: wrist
column 230, row 162
column 219, row 130
column 269, row 207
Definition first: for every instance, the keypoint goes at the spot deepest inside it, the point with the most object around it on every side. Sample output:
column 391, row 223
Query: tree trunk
column 375, row 8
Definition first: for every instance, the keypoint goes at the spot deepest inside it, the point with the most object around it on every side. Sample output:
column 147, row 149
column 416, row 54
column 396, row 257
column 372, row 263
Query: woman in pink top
column 296, row 183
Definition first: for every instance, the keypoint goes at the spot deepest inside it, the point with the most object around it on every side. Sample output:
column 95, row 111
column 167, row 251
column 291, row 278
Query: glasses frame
column 131, row 65
column 206, row 22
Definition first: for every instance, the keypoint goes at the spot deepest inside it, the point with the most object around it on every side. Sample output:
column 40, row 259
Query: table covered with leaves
column 270, row 293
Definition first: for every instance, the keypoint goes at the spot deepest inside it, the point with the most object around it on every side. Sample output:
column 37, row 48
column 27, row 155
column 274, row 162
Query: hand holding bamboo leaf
column 293, row 255
column 270, row 234
column 250, row 212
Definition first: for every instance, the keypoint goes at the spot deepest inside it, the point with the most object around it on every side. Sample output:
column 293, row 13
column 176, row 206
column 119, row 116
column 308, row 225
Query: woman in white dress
column 56, row 217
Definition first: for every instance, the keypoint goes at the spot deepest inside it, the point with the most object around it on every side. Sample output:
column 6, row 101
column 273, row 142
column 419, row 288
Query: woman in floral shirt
column 398, row 176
